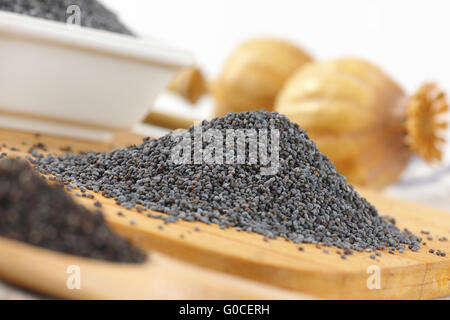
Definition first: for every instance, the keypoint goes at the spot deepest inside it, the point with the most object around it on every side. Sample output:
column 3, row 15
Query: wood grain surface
column 411, row 275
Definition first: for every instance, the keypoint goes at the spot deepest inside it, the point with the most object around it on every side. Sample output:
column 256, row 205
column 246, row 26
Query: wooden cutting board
column 411, row 275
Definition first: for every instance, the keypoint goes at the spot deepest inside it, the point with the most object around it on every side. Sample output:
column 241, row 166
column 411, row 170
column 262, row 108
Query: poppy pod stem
column 190, row 84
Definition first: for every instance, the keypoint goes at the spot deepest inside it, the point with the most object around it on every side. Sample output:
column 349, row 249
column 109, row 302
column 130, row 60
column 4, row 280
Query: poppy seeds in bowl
column 92, row 13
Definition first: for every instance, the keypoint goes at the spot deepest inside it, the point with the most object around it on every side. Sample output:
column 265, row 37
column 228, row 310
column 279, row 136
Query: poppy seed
column 305, row 201
column 94, row 14
column 44, row 215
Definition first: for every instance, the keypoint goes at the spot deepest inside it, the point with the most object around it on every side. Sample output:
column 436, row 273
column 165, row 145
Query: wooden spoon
column 160, row 277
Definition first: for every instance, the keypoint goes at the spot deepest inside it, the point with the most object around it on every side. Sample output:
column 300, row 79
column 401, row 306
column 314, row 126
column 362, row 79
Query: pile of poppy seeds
column 44, row 215
column 306, row 201
column 92, row 13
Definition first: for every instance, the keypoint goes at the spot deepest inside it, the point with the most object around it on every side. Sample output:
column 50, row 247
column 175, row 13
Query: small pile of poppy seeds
column 93, row 13
column 44, row 215
column 306, row 201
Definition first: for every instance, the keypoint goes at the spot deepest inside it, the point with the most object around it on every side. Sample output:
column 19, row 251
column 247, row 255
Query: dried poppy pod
column 363, row 120
column 250, row 79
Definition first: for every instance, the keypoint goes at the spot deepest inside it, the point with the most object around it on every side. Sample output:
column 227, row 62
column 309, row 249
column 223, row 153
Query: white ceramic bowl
column 66, row 80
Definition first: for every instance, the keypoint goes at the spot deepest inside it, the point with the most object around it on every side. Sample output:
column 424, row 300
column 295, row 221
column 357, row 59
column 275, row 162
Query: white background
column 409, row 40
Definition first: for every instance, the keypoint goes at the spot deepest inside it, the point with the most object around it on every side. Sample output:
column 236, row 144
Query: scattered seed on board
column 139, row 209
column 160, row 227
column 372, row 256
column 348, row 252
column 98, row 204
column 197, row 229
column 40, row 146
column 431, row 251
column 443, row 239
column 326, row 251
column 440, row 253
column 66, row 149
